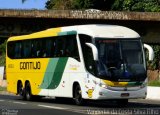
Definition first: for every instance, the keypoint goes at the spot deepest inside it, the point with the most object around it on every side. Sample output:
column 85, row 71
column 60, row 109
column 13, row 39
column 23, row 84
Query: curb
column 3, row 83
column 6, row 93
column 153, row 93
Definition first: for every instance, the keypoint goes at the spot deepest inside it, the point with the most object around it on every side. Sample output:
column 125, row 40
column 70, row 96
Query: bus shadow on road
column 101, row 104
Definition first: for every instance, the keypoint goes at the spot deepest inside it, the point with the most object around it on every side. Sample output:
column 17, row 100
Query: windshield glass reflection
column 120, row 60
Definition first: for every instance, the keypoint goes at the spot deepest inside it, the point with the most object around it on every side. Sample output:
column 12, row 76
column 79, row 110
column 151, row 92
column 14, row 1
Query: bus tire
column 78, row 95
column 28, row 93
column 20, row 88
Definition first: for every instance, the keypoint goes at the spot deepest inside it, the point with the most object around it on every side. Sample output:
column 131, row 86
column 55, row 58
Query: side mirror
column 151, row 52
column 94, row 51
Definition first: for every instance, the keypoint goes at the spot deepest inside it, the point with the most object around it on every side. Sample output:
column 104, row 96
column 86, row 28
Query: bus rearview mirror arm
column 94, row 51
column 151, row 52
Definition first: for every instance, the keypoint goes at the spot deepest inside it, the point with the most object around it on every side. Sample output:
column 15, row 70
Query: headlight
column 103, row 85
column 144, row 84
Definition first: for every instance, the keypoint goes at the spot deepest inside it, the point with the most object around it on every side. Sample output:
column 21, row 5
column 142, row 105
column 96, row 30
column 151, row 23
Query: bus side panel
column 53, row 76
column 74, row 73
column 11, row 82
column 31, row 70
column 71, row 74
column 68, row 72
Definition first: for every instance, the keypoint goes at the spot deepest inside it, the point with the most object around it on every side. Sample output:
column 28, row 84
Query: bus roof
column 94, row 30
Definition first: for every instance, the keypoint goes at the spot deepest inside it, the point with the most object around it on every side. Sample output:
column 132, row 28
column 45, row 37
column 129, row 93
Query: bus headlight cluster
column 144, row 84
column 103, row 85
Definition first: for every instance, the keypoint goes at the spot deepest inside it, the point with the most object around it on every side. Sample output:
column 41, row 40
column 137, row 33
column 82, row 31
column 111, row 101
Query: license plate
column 124, row 94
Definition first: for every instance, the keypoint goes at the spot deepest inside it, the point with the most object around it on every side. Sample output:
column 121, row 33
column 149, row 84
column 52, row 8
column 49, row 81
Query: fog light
column 103, row 85
column 100, row 93
column 145, row 93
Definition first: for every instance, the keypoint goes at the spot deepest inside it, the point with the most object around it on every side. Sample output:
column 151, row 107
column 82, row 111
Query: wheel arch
column 27, row 81
column 81, row 86
column 73, row 87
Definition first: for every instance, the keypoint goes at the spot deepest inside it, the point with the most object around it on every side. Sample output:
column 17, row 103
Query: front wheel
column 78, row 95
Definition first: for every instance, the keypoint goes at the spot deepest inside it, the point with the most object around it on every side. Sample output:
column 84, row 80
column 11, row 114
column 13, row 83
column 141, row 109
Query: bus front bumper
column 104, row 93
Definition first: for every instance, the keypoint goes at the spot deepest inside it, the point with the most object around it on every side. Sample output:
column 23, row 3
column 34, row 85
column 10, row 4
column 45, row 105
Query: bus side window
column 59, row 44
column 17, row 49
column 87, row 53
column 53, row 47
column 63, row 46
column 43, row 48
column 57, row 49
column 11, row 49
column 34, row 54
column 72, row 48
column 49, row 47
column 26, row 49
column 37, row 51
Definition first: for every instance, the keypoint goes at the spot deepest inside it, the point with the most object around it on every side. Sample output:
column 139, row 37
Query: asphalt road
column 14, row 105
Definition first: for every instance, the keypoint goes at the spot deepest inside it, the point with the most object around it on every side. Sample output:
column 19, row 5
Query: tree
column 49, row 5
column 23, row 1
column 137, row 5
column 59, row 4
column 2, row 53
column 79, row 4
column 103, row 4
column 120, row 5
column 82, row 4
column 68, row 4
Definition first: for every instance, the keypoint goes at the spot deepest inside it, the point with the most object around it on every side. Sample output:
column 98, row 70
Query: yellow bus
column 96, row 62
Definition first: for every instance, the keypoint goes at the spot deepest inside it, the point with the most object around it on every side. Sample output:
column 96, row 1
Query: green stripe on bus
column 134, row 83
column 49, row 72
column 67, row 33
column 57, row 76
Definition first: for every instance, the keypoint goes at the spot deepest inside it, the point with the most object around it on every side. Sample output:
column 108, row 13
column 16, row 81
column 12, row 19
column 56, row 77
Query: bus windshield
column 120, row 60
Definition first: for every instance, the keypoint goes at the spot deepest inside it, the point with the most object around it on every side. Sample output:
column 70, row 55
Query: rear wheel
column 28, row 93
column 20, row 89
column 78, row 95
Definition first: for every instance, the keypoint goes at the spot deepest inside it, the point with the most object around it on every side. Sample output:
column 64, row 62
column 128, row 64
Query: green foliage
column 155, row 64
column 82, row 4
column 154, row 83
column 120, row 5
column 49, row 5
column 68, row 4
column 2, row 53
column 58, row 4
column 2, row 60
column 3, row 48
column 23, row 1
column 137, row 5
column 79, row 4
column 3, row 88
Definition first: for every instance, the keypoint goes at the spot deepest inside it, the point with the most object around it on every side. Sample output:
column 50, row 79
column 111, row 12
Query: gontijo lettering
column 30, row 65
